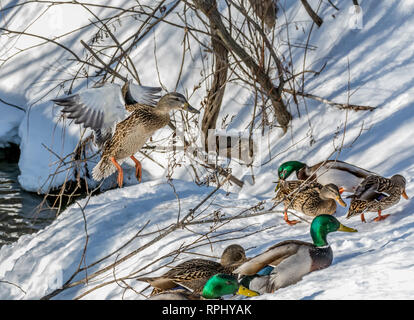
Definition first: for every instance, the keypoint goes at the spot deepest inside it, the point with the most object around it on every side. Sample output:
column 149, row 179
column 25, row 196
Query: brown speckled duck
column 312, row 198
column 375, row 194
column 122, row 119
column 193, row 274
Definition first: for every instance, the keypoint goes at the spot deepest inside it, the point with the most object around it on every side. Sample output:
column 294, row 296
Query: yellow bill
column 246, row 292
column 346, row 229
column 277, row 186
column 340, row 201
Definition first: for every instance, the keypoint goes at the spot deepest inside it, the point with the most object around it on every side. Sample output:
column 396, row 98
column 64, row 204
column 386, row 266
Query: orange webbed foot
column 290, row 222
column 138, row 168
column 381, row 217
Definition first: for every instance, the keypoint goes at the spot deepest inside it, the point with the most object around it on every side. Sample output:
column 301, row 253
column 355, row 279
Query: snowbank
column 374, row 263
column 9, row 124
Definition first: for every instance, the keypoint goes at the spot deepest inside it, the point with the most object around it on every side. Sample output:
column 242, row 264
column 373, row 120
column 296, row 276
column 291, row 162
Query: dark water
column 19, row 212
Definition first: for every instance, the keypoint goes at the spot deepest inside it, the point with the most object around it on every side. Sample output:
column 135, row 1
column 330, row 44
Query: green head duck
column 324, row 224
column 287, row 168
column 223, row 284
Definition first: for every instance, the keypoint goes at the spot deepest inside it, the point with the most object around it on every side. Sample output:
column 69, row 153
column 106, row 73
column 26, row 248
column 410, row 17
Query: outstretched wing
column 141, row 94
column 98, row 108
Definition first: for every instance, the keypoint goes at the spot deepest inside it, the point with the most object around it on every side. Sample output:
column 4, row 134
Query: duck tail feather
column 103, row 169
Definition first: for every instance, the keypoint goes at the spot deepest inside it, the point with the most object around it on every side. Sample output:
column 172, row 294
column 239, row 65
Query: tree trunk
column 216, row 92
column 209, row 8
column 265, row 10
column 318, row 20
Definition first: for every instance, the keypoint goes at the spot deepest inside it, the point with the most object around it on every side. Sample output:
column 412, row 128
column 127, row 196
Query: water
column 18, row 208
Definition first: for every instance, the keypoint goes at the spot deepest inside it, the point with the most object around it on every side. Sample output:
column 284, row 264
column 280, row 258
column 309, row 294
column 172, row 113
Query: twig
column 331, row 103
column 335, row 7
column 12, row 105
column 13, row 284
column 318, row 20
column 106, row 67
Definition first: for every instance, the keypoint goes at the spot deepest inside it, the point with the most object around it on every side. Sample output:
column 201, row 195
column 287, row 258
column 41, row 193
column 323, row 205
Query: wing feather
column 98, row 108
column 271, row 257
column 142, row 94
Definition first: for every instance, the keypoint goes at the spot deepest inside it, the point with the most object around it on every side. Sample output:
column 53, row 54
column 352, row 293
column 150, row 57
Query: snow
column 375, row 263
column 9, row 124
column 36, row 139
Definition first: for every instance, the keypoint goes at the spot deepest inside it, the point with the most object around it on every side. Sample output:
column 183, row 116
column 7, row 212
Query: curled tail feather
column 103, row 169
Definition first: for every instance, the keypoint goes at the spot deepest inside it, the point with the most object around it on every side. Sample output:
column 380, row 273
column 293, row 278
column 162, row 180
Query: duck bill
column 277, row 186
column 340, row 201
column 243, row 291
column 191, row 109
column 405, row 195
column 346, row 229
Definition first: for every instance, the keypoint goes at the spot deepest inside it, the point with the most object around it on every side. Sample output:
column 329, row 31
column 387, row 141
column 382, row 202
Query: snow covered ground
column 375, row 263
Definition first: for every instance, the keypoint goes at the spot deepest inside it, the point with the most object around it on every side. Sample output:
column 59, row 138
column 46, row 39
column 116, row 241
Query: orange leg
column 289, row 222
column 381, row 217
column 120, row 172
column 138, row 168
column 341, row 190
column 363, row 218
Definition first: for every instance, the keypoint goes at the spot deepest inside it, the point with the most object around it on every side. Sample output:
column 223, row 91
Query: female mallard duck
column 193, row 274
column 346, row 176
column 217, row 286
column 288, row 261
column 375, row 194
column 311, row 198
column 122, row 119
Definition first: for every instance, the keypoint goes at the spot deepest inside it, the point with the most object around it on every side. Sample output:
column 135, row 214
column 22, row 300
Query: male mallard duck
column 193, row 274
column 217, row 286
column 346, row 176
column 375, row 194
column 122, row 119
column 290, row 260
column 311, row 198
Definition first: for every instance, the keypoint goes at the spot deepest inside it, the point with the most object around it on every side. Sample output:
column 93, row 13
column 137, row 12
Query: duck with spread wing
column 122, row 119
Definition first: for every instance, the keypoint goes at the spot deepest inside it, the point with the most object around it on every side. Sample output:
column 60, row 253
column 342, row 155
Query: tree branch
column 209, row 8
column 318, row 20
